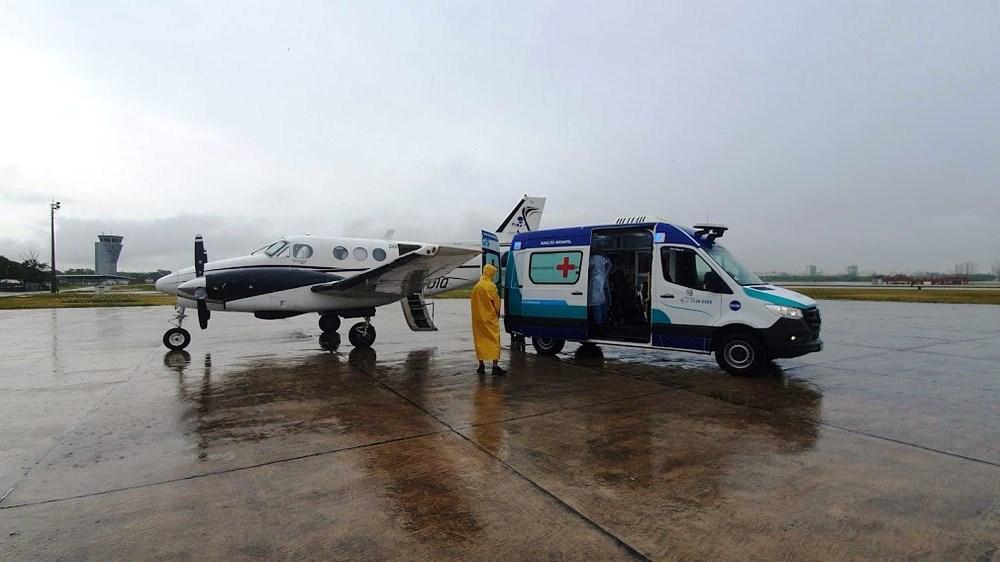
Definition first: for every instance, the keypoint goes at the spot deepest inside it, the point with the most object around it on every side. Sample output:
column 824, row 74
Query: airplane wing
column 403, row 276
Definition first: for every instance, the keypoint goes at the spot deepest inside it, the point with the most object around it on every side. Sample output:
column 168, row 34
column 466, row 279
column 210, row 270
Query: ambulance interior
column 624, row 282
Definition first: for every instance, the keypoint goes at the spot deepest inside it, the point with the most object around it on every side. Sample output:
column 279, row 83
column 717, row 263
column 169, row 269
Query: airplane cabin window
column 378, row 254
column 302, row 251
column 340, row 253
column 360, row 253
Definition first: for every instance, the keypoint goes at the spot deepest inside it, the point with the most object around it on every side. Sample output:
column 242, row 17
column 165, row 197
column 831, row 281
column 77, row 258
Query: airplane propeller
column 200, row 257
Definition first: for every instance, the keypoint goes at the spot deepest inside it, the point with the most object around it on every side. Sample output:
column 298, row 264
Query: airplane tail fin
column 526, row 216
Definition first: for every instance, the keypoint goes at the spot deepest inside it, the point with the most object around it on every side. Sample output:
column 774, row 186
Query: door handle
column 666, row 296
column 577, row 293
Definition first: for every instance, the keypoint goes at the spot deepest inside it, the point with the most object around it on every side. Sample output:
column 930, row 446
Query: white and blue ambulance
column 644, row 282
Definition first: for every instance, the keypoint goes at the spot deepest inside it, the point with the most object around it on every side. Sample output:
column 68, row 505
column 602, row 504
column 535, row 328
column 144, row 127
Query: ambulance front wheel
column 547, row 346
column 740, row 354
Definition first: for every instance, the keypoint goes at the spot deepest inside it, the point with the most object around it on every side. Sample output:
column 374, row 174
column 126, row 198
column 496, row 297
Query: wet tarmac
column 264, row 440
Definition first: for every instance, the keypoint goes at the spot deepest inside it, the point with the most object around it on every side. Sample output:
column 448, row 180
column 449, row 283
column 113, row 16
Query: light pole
column 52, row 226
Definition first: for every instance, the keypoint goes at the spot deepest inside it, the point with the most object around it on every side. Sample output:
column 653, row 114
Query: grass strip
column 455, row 294
column 903, row 294
column 82, row 300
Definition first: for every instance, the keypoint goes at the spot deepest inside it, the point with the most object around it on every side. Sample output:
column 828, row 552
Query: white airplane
column 335, row 277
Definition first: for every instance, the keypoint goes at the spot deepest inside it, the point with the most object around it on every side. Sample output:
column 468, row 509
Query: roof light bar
column 710, row 231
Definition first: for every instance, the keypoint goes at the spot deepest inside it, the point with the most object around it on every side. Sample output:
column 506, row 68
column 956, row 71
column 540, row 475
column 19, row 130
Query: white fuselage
column 279, row 279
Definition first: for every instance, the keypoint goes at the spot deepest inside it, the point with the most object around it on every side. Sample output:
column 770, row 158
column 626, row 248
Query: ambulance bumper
column 791, row 338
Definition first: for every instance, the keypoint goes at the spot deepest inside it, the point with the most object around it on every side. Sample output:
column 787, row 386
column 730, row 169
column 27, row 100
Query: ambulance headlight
column 784, row 311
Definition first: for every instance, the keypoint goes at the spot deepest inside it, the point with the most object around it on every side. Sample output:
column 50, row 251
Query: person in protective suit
column 600, row 266
column 486, row 321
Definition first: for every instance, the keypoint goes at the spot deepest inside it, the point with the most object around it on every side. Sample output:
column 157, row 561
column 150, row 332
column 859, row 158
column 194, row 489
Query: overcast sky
column 828, row 133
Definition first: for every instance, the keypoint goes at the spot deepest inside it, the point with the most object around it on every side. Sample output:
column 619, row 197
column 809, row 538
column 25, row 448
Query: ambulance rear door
column 554, row 292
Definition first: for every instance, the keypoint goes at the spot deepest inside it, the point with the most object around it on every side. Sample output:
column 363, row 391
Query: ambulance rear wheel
column 740, row 354
column 176, row 338
column 547, row 346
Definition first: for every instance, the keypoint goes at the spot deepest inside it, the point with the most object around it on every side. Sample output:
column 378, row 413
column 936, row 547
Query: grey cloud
column 14, row 191
column 165, row 243
column 824, row 133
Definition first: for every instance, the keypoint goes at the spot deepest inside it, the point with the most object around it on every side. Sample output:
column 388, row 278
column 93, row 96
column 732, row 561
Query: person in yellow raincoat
column 486, row 321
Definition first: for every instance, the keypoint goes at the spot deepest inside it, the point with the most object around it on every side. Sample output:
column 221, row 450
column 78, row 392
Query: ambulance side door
column 684, row 310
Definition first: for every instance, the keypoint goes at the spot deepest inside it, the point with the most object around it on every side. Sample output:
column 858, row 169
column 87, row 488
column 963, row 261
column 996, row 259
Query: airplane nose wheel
column 176, row 338
column 362, row 334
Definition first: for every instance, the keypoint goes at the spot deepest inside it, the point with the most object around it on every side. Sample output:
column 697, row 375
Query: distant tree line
column 802, row 277
column 138, row 276
column 28, row 270
column 864, row 278
column 31, row 270
column 142, row 276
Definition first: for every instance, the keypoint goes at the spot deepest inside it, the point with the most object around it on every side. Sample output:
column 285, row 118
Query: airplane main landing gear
column 329, row 322
column 362, row 334
column 177, row 338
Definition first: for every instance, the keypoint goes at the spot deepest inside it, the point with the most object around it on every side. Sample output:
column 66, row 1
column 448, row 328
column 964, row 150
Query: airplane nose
column 167, row 284
column 192, row 288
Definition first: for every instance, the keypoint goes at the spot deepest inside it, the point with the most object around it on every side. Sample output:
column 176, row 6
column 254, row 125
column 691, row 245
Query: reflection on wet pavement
column 886, row 445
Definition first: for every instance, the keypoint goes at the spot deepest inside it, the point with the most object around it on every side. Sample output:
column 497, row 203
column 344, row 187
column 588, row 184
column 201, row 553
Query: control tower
column 106, row 251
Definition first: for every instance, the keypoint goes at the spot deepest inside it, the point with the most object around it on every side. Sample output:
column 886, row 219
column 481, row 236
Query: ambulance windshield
column 739, row 273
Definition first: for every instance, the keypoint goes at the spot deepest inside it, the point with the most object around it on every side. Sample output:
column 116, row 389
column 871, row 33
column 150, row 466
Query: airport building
column 966, row 268
column 106, row 251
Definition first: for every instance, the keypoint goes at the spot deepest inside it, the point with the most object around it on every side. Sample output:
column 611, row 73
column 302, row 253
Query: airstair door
column 417, row 316
column 491, row 254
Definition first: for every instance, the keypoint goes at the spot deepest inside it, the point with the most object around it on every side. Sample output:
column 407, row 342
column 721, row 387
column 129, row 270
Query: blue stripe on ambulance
column 552, row 309
column 662, row 326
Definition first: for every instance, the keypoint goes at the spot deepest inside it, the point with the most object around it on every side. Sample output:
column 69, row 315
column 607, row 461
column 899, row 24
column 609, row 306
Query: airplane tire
column 360, row 336
column 329, row 341
column 741, row 354
column 547, row 346
column 329, row 322
column 176, row 338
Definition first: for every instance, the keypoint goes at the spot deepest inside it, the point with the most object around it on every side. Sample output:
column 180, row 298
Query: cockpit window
column 302, row 251
column 275, row 248
column 267, row 248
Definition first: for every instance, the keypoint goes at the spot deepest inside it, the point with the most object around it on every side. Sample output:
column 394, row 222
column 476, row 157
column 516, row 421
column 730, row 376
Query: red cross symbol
column 565, row 267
